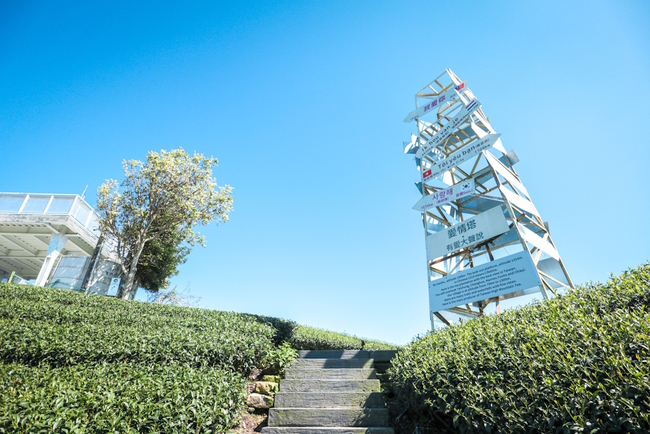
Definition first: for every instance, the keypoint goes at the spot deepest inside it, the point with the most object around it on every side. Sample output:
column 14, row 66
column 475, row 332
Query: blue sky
column 302, row 103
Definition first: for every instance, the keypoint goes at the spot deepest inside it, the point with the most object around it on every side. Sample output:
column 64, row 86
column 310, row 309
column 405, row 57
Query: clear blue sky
column 302, row 103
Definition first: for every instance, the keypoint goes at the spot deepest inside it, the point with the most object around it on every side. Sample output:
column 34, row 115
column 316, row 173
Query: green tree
column 159, row 261
column 160, row 200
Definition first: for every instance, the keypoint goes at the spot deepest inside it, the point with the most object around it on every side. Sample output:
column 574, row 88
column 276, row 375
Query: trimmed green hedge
column 33, row 342
column 71, row 362
column 120, row 398
column 310, row 338
column 303, row 337
column 577, row 363
column 63, row 327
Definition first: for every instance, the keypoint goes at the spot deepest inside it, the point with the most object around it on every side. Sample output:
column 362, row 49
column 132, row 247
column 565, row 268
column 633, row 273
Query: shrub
column 283, row 328
column 579, row 362
column 281, row 358
column 61, row 328
column 71, row 362
column 310, row 338
column 121, row 397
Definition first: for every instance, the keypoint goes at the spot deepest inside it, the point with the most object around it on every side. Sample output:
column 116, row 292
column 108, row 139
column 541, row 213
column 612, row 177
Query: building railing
column 51, row 204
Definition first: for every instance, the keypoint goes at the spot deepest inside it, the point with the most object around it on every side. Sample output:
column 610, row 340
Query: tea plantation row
column 302, row 337
column 119, row 398
column 71, row 362
column 577, row 363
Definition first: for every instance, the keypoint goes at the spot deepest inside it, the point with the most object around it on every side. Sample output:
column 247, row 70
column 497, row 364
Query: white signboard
column 460, row 156
column 499, row 277
column 455, row 192
column 468, row 233
column 437, row 101
column 448, row 128
column 115, row 284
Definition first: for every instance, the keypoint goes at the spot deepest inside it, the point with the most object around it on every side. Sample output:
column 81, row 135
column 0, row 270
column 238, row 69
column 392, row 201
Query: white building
column 49, row 238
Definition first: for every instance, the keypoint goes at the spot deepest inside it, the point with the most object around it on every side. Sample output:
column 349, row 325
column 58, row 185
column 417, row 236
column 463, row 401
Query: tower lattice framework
column 486, row 241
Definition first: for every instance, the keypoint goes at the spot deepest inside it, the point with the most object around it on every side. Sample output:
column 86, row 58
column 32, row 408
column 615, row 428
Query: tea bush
column 310, row 338
column 61, row 327
column 71, row 362
column 281, row 358
column 119, row 397
column 303, row 337
column 283, row 328
column 577, row 363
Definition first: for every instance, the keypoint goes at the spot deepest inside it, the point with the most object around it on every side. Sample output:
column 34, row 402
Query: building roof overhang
column 25, row 237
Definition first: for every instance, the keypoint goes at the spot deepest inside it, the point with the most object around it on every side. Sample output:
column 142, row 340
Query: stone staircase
column 332, row 392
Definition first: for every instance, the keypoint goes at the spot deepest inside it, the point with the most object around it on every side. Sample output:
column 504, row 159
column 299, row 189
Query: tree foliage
column 159, row 261
column 160, row 201
column 174, row 297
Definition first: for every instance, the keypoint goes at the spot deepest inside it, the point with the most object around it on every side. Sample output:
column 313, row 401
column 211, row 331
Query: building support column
column 93, row 262
column 57, row 242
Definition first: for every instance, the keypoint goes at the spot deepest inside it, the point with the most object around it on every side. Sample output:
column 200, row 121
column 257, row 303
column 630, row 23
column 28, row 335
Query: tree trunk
column 128, row 282
column 130, row 295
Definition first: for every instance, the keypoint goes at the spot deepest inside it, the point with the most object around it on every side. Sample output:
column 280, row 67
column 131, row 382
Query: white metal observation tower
column 485, row 239
column 35, row 229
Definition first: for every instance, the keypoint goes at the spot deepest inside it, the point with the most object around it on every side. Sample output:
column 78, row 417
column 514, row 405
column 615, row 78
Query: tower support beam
column 485, row 239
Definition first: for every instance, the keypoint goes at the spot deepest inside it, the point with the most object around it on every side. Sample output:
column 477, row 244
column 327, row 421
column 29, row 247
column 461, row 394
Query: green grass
column 577, row 363
column 71, row 362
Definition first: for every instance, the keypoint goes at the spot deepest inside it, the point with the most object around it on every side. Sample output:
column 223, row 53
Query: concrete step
column 330, row 374
column 326, row 430
column 382, row 356
column 333, row 363
column 381, row 367
column 335, row 417
column 333, row 354
column 377, row 355
column 331, row 400
column 325, row 386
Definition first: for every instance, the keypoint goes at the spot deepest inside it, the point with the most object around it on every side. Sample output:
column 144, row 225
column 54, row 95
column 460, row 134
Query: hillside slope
column 72, row 362
column 576, row 363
